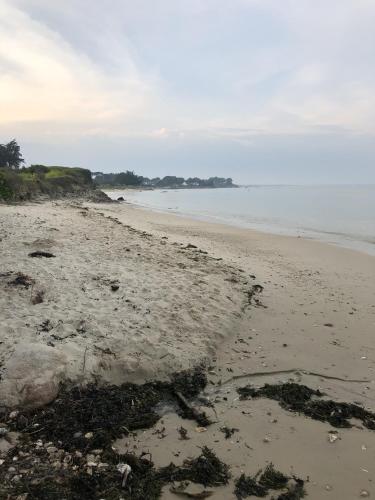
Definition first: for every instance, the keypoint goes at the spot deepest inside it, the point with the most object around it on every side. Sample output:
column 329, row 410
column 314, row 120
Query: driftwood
column 191, row 412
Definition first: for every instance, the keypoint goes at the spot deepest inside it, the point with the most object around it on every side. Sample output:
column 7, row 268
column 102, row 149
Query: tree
column 3, row 156
column 171, row 180
column 38, row 169
column 10, row 155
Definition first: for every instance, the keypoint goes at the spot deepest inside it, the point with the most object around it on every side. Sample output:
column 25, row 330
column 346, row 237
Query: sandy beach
column 134, row 295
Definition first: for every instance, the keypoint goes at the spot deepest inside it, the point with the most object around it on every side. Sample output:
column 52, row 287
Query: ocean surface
column 341, row 215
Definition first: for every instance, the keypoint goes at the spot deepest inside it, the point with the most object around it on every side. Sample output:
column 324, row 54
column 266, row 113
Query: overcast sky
column 265, row 91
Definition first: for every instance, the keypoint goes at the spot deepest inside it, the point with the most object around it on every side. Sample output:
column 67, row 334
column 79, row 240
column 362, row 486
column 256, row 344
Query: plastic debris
column 125, row 470
column 332, row 436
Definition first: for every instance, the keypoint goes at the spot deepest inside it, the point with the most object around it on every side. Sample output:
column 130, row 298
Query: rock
column 3, row 431
column 120, row 198
column 31, row 376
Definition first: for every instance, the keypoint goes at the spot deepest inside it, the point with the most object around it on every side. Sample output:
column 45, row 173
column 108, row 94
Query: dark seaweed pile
column 269, row 480
column 108, row 412
column 299, row 398
column 74, row 480
column 65, row 449
column 207, row 469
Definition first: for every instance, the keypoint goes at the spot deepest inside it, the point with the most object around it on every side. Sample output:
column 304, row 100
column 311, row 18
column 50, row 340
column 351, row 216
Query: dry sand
column 175, row 308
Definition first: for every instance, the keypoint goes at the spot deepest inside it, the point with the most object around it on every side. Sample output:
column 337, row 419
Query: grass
column 53, row 181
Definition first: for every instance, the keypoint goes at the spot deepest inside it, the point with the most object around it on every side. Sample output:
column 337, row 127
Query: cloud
column 46, row 80
column 185, row 74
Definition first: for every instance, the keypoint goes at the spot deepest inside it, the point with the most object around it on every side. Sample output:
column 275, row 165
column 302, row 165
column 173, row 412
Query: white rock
column 31, row 376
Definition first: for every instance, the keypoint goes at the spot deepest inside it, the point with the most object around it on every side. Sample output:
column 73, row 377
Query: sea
column 341, row 215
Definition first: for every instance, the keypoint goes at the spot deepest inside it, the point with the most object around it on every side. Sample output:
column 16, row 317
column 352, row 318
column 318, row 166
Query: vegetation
column 39, row 180
column 129, row 178
column 10, row 155
column 17, row 184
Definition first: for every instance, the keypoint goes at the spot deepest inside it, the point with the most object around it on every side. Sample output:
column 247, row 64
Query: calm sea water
column 342, row 215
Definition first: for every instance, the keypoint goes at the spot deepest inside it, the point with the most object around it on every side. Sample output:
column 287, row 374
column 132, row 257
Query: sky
column 264, row 91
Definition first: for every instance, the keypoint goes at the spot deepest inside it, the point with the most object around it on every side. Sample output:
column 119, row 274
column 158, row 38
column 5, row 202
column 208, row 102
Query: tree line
column 10, row 155
column 129, row 178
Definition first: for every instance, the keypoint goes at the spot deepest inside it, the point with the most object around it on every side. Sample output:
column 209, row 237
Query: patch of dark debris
column 39, row 254
column 21, row 279
column 252, row 296
column 65, row 449
column 271, row 479
column 302, row 399
column 228, row 431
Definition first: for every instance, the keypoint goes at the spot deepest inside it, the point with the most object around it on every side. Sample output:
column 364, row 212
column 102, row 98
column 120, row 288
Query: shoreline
column 189, row 219
column 181, row 298
column 340, row 240
column 319, row 318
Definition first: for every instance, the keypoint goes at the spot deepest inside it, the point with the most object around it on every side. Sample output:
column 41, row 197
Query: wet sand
column 307, row 285
column 315, row 324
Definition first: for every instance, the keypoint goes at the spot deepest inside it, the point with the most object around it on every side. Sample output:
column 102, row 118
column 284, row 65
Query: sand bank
column 114, row 303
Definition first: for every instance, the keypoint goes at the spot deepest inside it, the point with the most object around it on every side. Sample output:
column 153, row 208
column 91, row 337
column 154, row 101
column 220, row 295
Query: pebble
column 13, row 414
column 364, row 494
column 89, row 435
column 3, row 431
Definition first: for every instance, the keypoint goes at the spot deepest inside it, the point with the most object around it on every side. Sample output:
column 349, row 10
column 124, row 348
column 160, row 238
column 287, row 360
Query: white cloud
column 46, row 80
column 177, row 69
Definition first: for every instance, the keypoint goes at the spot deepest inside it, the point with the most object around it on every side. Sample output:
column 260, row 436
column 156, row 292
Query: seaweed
column 189, row 383
column 247, row 486
column 228, row 431
column 273, row 479
column 107, row 412
column 298, row 398
column 251, row 295
column 270, row 479
column 295, row 491
column 207, row 469
column 41, row 253
column 22, row 280
column 65, row 449
column 75, row 481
